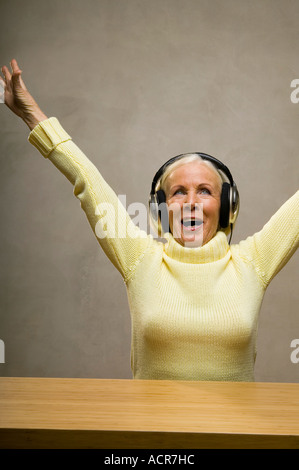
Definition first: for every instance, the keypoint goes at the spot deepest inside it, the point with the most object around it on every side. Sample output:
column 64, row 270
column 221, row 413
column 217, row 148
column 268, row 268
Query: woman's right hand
column 18, row 98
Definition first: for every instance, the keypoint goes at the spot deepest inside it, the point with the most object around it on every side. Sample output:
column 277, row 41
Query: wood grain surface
column 99, row 413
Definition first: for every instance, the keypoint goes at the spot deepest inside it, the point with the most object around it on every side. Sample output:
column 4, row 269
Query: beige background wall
column 136, row 82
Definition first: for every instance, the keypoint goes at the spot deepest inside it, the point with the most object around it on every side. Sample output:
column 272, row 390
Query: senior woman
column 194, row 298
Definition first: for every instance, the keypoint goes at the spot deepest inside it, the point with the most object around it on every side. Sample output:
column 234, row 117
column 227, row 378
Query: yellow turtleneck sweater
column 194, row 311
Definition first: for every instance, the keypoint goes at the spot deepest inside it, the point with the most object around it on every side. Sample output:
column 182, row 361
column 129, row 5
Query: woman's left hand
column 17, row 97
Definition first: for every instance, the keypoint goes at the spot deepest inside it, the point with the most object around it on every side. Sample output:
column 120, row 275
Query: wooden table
column 119, row 414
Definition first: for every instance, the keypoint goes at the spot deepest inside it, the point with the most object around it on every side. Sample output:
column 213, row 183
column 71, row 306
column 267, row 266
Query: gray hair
column 189, row 158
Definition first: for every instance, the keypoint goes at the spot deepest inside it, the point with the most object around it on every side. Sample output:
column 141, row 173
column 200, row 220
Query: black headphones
column 229, row 194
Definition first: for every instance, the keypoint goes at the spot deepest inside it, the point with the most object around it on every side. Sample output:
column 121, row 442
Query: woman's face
column 193, row 200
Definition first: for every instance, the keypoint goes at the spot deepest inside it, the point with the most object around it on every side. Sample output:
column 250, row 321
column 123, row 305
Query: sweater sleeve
column 122, row 241
column 271, row 248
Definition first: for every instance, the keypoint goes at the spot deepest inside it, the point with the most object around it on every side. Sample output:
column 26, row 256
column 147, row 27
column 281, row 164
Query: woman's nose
column 191, row 199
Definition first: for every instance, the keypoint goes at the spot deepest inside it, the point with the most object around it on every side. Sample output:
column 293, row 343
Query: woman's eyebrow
column 177, row 186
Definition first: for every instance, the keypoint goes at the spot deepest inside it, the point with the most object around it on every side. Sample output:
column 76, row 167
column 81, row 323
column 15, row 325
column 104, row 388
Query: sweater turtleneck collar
column 214, row 250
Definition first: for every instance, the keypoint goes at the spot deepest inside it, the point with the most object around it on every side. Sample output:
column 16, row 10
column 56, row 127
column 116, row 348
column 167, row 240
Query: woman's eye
column 179, row 191
column 205, row 191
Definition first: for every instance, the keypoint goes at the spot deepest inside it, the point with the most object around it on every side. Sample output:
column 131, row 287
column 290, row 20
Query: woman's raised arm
column 122, row 241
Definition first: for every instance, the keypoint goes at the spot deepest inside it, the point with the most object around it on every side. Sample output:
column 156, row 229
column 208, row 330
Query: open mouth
column 191, row 223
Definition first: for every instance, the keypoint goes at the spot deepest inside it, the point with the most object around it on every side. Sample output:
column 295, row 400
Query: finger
column 14, row 66
column 2, row 90
column 6, row 73
column 16, row 75
column 16, row 79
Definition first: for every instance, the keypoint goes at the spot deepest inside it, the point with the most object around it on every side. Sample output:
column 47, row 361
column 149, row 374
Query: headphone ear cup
column 153, row 207
column 225, row 206
column 235, row 202
column 162, row 210
column 160, row 197
column 157, row 200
